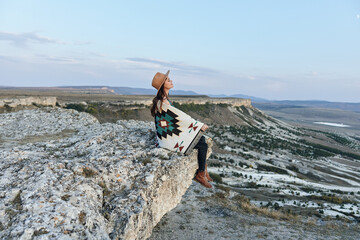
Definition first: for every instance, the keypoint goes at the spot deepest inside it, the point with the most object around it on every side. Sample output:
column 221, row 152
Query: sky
column 278, row 50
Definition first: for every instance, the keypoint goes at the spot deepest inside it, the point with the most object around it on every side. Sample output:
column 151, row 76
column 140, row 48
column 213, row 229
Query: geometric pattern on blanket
column 176, row 130
column 166, row 124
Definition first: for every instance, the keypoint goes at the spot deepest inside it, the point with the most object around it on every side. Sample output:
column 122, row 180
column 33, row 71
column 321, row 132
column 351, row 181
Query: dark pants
column 202, row 150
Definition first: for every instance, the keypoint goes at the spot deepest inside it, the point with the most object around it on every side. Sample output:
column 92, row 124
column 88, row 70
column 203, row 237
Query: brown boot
column 207, row 174
column 200, row 177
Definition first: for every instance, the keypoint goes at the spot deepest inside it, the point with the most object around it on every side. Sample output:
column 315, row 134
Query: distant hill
column 324, row 104
column 265, row 104
column 273, row 105
column 134, row 91
column 253, row 99
column 146, row 91
column 261, row 103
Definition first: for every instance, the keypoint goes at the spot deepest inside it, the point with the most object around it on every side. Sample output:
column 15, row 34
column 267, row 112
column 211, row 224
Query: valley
column 284, row 165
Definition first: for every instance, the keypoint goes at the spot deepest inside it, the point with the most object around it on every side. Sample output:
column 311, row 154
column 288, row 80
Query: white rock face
column 26, row 101
column 63, row 175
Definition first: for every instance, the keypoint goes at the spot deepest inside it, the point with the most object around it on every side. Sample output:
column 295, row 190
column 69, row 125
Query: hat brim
column 166, row 76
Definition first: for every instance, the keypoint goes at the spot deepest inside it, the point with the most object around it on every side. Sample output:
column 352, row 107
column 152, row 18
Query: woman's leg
column 201, row 173
column 202, row 157
column 202, row 148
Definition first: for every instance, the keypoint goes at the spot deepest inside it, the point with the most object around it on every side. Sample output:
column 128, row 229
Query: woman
column 163, row 84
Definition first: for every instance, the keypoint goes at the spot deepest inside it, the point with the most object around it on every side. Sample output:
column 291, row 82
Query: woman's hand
column 204, row 127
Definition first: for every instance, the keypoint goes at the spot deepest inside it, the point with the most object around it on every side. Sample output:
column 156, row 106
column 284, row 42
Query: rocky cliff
column 63, row 175
column 235, row 102
column 26, row 101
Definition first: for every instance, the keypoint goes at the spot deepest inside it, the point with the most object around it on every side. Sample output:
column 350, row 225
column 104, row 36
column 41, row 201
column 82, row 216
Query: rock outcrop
column 235, row 102
column 26, row 101
column 63, row 175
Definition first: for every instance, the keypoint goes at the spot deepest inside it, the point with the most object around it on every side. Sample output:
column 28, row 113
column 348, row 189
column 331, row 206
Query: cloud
column 62, row 59
column 23, row 39
column 8, row 58
column 96, row 54
column 77, row 69
column 43, row 59
column 312, row 74
column 185, row 76
column 275, row 87
column 82, row 43
column 148, row 63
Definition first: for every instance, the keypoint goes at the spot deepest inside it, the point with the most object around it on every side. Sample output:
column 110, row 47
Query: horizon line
column 226, row 95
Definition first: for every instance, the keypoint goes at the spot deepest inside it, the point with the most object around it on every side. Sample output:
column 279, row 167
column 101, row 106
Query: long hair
column 159, row 97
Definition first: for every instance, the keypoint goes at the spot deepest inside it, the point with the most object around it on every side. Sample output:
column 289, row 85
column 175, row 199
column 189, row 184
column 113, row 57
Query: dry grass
column 223, row 188
column 311, row 222
column 82, row 217
column 275, row 214
column 88, row 172
column 106, row 191
column 241, row 203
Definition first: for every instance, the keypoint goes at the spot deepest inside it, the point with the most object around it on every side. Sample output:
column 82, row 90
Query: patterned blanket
column 176, row 130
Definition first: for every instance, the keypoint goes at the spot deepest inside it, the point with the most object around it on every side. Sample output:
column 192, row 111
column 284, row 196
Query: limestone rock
column 26, row 101
column 63, row 175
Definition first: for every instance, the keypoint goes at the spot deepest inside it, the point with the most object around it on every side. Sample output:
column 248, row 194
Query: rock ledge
column 63, row 175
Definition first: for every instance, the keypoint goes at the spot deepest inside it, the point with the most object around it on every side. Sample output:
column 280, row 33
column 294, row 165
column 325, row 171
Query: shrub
column 125, row 112
column 212, row 164
column 276, row 206
column 202, row 109
column 91, row 110
column 261, row 167
column 76, row 106
column 216, row 177
column 293, row 168
column 252, row 185
column 332, row 199
column 308, row 189
column 7, row 108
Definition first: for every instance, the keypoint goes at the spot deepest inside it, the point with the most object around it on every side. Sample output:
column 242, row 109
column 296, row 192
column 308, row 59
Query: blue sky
column 296, row 50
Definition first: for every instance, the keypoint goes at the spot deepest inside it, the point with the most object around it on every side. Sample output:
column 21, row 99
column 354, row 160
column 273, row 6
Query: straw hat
column 159, row 80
